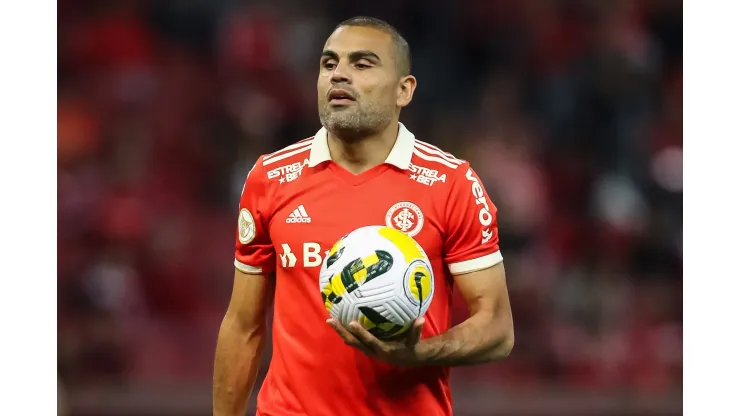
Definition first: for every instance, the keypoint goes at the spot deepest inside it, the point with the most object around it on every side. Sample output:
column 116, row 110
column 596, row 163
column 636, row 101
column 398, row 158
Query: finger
column 415, row 332
column 368, row 339
column 342, row 331
column 346, row 335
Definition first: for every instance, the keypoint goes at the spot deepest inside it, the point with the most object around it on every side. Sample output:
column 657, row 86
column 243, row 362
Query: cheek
column 379, row 95
column 390, row 93
column 323, row 81
column 375, row 90
column 322, row 87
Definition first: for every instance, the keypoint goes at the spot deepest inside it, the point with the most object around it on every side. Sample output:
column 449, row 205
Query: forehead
column 347, row 39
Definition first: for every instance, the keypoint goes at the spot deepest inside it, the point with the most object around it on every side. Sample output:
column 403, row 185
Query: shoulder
column 296, row 151
column 432, row 157
column 430, row 161
column 286, row 163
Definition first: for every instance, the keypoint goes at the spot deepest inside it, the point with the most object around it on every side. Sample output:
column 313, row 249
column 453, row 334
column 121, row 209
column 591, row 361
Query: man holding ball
column 362, row 168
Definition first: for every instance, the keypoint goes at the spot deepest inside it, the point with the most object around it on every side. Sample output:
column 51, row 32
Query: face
column 360, row 90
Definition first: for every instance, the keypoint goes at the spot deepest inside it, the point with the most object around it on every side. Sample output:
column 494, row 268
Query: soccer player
column 363, row 167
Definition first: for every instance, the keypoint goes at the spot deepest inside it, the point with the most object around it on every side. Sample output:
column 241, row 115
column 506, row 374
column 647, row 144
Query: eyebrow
column 353, row 56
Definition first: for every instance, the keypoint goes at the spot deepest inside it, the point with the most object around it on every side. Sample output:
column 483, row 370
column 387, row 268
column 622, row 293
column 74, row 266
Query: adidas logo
column 298, row 215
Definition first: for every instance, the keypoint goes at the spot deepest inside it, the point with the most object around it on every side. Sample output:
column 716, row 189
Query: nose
column 341, row 74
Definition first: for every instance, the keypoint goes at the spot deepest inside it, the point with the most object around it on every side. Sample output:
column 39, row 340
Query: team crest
column 406, row 217
column 246, row 226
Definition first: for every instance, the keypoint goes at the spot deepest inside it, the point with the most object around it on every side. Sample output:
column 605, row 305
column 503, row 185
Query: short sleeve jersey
column 295, row 204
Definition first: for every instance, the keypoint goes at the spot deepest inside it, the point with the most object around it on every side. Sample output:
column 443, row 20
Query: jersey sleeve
column 255, row 253
column 471, row 238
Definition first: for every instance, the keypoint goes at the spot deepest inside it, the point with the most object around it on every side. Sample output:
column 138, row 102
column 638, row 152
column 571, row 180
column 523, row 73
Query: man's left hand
column 402, row 353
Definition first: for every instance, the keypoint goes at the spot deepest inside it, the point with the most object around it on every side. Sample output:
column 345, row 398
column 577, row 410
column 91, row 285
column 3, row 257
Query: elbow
column 503, row 345
column 506, row 345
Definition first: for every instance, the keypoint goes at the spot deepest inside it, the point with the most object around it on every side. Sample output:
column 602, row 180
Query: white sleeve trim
column 247, row 268
column 469, row 266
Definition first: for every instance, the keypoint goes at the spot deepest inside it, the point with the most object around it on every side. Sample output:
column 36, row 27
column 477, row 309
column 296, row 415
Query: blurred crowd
column 570, row 111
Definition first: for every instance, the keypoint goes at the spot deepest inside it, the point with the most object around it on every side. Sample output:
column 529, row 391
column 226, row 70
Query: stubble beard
column 357, row 122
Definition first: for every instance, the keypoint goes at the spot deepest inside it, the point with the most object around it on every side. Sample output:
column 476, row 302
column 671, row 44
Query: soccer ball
column 378, row 276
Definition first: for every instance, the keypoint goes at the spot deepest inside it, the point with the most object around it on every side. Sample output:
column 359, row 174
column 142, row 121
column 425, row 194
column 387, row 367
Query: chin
column 339, row 118
column 351, row 124
column 341, row 126
column 346, row 129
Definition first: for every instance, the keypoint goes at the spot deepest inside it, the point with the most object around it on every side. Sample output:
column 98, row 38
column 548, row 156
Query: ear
column 406, row 88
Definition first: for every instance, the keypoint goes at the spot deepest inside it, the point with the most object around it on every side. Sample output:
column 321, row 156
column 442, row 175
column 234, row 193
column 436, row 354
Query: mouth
column 340, row 97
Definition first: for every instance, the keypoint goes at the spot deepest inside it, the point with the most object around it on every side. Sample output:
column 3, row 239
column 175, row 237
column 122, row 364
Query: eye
column 362, row 65
column 329, row 65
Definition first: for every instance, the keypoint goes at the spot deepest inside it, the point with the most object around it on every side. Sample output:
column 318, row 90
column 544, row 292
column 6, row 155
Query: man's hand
column 401, row 353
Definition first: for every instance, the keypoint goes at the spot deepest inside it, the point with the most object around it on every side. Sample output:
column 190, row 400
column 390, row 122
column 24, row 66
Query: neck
column 360, row 155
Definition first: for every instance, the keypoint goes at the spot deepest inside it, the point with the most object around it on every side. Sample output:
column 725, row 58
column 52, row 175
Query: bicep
column 485, row 291
column 250, row 299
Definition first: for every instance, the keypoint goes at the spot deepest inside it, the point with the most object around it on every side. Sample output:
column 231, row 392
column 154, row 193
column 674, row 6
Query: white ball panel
column 383, row 291
column 402, row 310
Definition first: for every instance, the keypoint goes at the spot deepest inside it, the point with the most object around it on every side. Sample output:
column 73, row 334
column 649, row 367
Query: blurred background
column 570, row 111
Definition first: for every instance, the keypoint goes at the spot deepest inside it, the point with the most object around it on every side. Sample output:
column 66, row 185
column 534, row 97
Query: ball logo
column 246, row 226
column 406, row 217
column 418, row 283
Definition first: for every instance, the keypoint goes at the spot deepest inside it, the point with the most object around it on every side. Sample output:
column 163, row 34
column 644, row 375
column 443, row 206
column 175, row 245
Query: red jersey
column 295, row 204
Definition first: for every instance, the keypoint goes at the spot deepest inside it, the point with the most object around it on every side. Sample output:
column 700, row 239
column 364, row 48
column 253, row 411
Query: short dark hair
column 403, row 52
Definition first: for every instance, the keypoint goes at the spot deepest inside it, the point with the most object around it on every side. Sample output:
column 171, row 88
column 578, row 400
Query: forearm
column 238, row 354
column 477, row 340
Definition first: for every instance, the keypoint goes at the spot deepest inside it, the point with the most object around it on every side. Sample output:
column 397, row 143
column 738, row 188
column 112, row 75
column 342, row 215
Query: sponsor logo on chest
column 311, row 255
column 287, row 173
column 426, row 176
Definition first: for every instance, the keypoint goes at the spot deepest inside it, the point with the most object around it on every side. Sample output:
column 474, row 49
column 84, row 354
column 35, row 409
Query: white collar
column 399, row 156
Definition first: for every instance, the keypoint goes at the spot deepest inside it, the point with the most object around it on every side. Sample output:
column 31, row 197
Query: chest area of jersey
column 308, row 220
